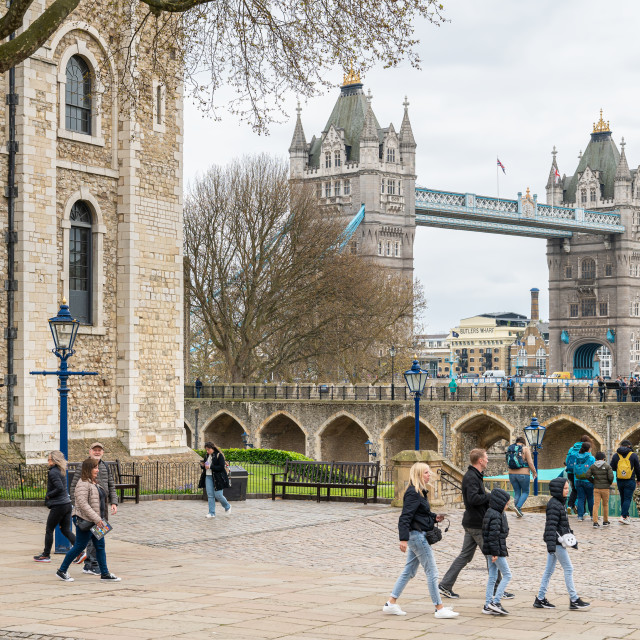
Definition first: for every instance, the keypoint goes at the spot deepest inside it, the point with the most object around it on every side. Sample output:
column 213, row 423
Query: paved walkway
column 298, row 570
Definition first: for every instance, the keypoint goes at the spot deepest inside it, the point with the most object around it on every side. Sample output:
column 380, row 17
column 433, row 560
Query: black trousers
column 58, row 516
column 574, row 492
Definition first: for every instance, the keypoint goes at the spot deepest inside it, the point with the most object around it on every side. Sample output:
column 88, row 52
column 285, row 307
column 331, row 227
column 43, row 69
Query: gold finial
column 64, row 301
column 352, row 77
column 528, row 196
column 601, row 126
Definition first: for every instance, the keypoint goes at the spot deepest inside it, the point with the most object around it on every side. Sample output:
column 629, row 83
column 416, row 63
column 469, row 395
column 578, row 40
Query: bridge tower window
column 608, row 270
column 327, row 160
column 593, row 195
column 382, row 186
column 347, row 187
column 573, row 310
column 337, row 158
column 567, row 271
column 588, row 307
column 604, row 308
column 336, row 187
column 583, row 196
column 379, row 248
column 391, row 155
column 588, row 268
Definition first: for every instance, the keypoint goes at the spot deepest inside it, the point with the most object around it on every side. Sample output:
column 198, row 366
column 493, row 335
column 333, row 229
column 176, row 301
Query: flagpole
column 497, row 178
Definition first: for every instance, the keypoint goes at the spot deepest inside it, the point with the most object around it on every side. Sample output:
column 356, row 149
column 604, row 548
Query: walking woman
column 59, row 504
column 582, row 473
column 214, row 477
column 415, row 520
column 91, row 508
column 521, row 468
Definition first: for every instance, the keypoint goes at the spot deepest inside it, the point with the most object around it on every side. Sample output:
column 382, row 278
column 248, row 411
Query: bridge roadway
column 336, row 429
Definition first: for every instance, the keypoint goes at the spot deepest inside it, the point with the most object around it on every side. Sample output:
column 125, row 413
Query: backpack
column 624, row 470
column 571, row 457
column 513, row 454
column 581, row 469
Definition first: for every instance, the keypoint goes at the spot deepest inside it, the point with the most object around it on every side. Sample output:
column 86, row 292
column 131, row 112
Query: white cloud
column 505, row 78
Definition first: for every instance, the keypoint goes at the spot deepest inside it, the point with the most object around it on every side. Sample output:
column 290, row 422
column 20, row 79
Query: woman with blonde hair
column 59, row 504
column 415, row 521
column 91, row 509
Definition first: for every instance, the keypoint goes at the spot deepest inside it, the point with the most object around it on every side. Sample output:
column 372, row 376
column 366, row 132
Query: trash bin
column 239, row 477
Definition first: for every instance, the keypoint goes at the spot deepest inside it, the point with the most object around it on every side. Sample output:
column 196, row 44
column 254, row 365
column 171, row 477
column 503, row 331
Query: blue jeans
column 501, row 565
column 419, row 552
column 212, row 495
column 626, row 489
column 520, row 483
column 585, row 494
column 562, row 556
column 82, row 539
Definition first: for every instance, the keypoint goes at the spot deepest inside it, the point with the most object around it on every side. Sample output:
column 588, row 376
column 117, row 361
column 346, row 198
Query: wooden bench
column 121, row 480
column 328, row 475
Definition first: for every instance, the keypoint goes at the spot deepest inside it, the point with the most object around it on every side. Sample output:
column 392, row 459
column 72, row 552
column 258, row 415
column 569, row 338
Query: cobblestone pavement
column 299, row 569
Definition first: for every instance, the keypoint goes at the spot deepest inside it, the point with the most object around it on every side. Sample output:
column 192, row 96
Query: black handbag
column 435, row 535
column 82, row 524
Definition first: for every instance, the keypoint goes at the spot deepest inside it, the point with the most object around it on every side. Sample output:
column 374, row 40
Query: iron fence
column 29, row 482
column 467, row 391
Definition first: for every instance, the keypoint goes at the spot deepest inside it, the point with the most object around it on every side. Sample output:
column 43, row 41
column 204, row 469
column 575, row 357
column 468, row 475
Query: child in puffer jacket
column 601, row 475
column 495, row 530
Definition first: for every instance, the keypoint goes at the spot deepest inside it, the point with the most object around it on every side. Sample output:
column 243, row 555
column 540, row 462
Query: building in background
column 432, row 350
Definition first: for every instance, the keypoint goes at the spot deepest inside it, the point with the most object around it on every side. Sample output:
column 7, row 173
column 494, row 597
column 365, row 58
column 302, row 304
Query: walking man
column 105, row 480
column 601, row 388
column 476, row 503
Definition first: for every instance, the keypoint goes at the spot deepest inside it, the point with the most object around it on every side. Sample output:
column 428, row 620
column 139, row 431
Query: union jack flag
column 501, row 166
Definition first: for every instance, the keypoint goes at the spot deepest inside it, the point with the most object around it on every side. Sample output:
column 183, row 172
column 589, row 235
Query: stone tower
column 355, row 162
column 98, row 217
column 594, row 280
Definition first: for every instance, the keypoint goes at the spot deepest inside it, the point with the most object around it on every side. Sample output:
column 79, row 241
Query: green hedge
column 258, row 456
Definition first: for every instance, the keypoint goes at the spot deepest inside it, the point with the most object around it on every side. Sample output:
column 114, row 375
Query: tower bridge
column 591, row 222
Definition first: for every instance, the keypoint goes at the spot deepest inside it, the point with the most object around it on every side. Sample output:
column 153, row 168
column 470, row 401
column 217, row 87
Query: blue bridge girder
column 523, row 216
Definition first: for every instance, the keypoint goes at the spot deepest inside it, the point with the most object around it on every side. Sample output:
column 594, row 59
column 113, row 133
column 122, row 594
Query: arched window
column 588, row 269
column 78, row 96
column 583, row 196
column 80, row 259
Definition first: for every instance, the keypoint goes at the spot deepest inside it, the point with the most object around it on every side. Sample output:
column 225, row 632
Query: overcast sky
column 510, row 79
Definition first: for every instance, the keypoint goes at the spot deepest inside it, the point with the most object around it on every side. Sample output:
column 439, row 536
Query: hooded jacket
column 635, row 463
column 476, row 499
column 557, row 521
column 416, row 513
column 583, row 460
column 495, row 527
column 572, row 453
column 57, row 494
column 601, row 474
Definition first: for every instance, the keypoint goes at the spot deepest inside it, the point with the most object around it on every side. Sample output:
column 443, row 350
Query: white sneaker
column 445, row 612
column 393, row 609
column 626, row 520
column 210, row 515
column 228, row 511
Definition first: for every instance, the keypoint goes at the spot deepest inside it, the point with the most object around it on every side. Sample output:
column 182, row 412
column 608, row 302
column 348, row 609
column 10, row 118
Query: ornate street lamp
column 535, row 434
column 245, row 439
column 392, row 353
column 64, row 330
column 416, row 379
column 370, row 450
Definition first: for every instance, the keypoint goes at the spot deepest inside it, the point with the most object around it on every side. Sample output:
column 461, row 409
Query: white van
column 494, row 373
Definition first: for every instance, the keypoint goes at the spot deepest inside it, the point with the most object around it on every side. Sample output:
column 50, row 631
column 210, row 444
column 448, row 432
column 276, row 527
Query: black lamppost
column 392, row 353
column 245, row 439
column 370, row 450
column 64, row 330
column 535, row 434
column 416, row 379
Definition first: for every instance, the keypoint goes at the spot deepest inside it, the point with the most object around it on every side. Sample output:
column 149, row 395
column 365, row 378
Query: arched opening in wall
column 587, row 359
column 281, row 432
column 343, row 439
column 225, row 432
column 633, row 437
column 497, row 461
column 187, row 433
column 401, row 436
column 481, row 431
column 559, row 437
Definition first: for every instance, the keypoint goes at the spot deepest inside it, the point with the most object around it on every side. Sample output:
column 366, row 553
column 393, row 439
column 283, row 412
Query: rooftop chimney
column 535, row 309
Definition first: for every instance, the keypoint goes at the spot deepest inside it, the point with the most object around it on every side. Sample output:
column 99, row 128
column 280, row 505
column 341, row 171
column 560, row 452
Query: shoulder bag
column 435, row 535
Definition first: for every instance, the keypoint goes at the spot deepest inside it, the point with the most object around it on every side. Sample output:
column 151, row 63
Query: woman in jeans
column 557, row 524
column 59, row 504
column 584, row 486
column 91, row 509
column 520, row 478
column 416, row 519
column 214, row 477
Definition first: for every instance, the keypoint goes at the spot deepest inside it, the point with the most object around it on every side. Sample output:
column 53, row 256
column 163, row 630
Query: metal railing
column 436, row 391
column 29, row 482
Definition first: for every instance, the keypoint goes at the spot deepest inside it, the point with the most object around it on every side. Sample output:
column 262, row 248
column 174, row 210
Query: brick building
column 98, row 217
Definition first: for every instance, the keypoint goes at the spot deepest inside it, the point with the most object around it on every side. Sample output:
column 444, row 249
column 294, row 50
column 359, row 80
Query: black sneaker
column 110, row 576
column 596, row 525
column 606, row 524
column 498, row 608
column 42, row 558
column 66, row 577
column 91, row 571
column 488, row 611
column 508, row 596
column 579, row 604
column 447, row 593
column 518, row 512
column 543, row 604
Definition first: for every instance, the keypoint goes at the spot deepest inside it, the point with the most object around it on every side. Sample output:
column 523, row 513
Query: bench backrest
column 331, row 472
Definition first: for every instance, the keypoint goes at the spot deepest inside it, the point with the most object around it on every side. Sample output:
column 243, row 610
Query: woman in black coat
column 415, row 520
column 556, row 526
column 214, row 478
column 59, row 504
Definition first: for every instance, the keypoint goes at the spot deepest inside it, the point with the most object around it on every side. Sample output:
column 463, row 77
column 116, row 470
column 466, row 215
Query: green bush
column 258, row 456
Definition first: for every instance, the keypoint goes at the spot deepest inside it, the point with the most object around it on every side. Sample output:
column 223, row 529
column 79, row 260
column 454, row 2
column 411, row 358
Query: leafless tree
column 270, row 287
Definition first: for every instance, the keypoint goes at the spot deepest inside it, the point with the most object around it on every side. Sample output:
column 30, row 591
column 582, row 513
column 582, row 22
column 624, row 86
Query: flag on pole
column 501, row 166
column 455, row 334
column 556, row 175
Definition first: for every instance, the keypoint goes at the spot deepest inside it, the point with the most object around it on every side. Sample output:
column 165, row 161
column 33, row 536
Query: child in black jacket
column 495, row 530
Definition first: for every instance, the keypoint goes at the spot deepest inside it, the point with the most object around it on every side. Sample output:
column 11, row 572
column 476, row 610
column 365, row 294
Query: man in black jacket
column 476, row 503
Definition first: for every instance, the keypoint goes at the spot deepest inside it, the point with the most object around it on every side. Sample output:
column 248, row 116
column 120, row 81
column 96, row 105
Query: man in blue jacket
column 476, row 503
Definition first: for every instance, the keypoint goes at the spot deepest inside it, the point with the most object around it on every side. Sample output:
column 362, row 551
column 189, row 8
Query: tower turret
column 555, row 182
column 622, row 180
column 407, row 141
column 298, row 151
